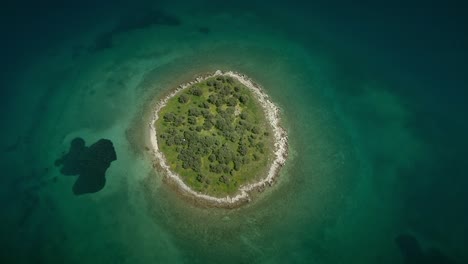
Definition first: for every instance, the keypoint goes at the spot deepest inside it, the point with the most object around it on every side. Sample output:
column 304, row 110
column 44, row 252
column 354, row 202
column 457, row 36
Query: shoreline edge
column 242, row 196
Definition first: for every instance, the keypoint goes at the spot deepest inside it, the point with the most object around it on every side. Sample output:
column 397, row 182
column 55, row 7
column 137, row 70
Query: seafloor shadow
column 141, row 21
column 89, row 163
column 414, row 254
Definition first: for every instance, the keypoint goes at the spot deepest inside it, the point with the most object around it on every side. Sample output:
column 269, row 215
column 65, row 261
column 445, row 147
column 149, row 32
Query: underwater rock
column 89, row 163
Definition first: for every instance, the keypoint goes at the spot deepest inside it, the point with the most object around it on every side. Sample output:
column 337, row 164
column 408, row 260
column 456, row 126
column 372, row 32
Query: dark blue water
column 373, row 96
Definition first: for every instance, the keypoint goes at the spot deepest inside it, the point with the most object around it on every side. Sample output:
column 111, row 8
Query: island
column 218, row 138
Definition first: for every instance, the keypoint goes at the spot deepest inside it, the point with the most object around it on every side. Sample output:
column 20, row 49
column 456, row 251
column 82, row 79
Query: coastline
column 280, row 146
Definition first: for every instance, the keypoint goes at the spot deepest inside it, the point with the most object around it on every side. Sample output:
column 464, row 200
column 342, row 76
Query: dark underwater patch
column 89, row 163
column 151, row 18
column 204, row 30
column 13, row 146
column 414, row 254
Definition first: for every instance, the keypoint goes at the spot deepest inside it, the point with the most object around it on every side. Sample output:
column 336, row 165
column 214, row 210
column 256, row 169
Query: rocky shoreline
column 242, row 196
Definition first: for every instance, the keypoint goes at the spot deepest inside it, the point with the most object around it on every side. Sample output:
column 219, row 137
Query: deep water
column 373, row 96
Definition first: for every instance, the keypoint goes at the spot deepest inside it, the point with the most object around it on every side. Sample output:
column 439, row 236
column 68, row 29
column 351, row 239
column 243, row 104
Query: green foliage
column 244, row 99
column 242, row 149
column 192, row 120
column 231, row 101
column 244, row 115
column 215, row 99
column 255, row 130
column 212, row 158
column 255, row 157
column 208, row 124
column 183, row 98
column 212, row 148
column 224, row 179
column 194, row 112
column 196, row 91
column 169, row 117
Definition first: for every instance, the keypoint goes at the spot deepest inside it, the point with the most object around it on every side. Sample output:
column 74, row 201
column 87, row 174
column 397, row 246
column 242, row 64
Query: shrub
column 255, row 130
column 169, row 117
column 242, row 149
column 196, row 91
column 194, row 112
column 243, row 99
column 207, row 125
column 201, row 178
column 183, row 98
column 192, row 120
column 212, row 158
column 255, row 157
column 231, row 101
column 244, row 115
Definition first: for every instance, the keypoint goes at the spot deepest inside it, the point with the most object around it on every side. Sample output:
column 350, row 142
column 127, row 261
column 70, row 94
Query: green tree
column 183, row 98
column 192, row 120
column 237, row 165
column 231, row 101
column 196, row 91
column 255, row 157
column 255, row 130
column 169, row 117
column 212, row 158
column 242, row 149
column 201, row 178
column 224, row 179
column 208, row 124
column 243, row 99
column 244, row 115
column 194, row 112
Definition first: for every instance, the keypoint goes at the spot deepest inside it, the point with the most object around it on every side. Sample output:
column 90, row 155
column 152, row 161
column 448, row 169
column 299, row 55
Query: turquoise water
column 372, row 96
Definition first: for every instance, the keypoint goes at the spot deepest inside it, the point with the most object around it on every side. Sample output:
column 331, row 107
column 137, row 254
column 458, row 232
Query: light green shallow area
column 327, row 206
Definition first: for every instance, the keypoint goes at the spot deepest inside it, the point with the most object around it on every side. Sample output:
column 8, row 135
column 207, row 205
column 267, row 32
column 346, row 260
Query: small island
column 218, row 138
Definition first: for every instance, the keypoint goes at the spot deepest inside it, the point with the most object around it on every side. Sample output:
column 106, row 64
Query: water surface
column 373, row 98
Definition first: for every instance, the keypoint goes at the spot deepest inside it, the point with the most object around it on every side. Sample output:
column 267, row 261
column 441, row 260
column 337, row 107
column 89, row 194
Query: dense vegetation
column 215, row 135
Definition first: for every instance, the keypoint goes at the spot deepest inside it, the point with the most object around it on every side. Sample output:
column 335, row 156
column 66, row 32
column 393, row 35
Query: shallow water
column 372, row 98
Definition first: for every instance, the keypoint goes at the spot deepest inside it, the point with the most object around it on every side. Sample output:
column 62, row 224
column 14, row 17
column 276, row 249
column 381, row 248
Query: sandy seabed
column 242, row 196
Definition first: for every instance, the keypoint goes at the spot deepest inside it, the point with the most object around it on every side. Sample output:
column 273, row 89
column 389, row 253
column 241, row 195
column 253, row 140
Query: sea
column 373, row 96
